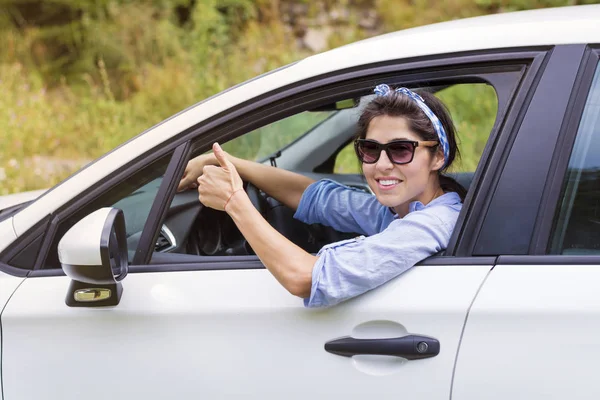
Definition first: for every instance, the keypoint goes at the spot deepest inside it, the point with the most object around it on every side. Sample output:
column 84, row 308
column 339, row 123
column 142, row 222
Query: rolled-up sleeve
column 349, row 268
column 342, row 208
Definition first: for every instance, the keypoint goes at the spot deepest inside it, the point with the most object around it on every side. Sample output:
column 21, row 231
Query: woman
column 404, row 141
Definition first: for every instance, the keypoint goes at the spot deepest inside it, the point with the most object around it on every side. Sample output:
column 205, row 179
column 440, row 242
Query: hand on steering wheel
column 194, row 169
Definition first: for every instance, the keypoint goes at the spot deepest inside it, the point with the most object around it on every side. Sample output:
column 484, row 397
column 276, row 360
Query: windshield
column 263, row 142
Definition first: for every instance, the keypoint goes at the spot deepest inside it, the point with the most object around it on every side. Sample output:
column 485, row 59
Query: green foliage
column 518, row 5
column 265, row 141
column 79, row 77
column 473, row 109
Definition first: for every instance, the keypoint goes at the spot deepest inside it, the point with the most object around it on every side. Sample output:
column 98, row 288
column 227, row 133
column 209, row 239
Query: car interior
column 317, row 143
column 191, row 230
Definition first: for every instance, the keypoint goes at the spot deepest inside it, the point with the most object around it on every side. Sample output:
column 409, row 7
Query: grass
column 59, row 115
column 47, row 135
column 71, row 130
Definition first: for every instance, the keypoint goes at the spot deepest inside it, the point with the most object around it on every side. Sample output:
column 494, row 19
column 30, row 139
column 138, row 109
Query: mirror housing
column 93, row 253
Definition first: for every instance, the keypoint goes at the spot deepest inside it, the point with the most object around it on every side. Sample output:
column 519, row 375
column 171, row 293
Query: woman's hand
column 218, row 184
column 193, row 171
column 220, row 187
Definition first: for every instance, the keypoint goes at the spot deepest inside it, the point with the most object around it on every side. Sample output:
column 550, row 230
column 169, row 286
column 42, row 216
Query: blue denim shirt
column 393, row 245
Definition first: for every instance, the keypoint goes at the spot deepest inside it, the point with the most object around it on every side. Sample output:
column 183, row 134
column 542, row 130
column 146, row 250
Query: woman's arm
column 221, row 188
column 285, row 186
column 290, row 265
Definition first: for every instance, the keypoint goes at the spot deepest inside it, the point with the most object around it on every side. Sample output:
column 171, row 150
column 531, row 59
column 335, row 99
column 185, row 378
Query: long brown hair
column 396, row 104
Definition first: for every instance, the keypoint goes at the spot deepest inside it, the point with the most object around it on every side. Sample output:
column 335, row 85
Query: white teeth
column 388, row 182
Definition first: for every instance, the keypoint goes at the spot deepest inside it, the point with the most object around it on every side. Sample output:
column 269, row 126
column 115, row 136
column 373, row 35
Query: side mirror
column 93, row 253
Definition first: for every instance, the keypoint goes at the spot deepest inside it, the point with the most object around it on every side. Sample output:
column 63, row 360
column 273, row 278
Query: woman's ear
column 438, row 160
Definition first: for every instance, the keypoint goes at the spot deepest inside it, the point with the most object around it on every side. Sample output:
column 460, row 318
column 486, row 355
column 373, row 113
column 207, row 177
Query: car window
column 577, row 223
column 312, row 141
column 473, row 107
column 133, row 195
column 262, row 142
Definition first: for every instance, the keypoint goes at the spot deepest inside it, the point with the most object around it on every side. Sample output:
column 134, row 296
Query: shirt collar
column 447, row 199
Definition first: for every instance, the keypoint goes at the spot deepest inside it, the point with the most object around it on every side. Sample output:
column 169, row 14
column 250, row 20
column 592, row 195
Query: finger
column 221, row 156
column 184, row 183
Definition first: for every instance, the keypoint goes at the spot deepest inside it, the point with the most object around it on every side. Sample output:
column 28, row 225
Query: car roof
column 550, row 26
column 566, row 25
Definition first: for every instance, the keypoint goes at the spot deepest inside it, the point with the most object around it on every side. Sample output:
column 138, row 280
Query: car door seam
column 2, row 339
column 462, row 332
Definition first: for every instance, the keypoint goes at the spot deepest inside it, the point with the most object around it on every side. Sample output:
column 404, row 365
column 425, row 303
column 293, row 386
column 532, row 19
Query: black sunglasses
column 398, row 151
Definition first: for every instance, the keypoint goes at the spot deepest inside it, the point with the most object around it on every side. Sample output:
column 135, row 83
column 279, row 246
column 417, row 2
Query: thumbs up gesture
column 218, row 184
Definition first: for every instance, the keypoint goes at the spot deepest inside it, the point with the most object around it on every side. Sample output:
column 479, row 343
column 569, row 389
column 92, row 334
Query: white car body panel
column 207, row 334
column 532, row 333
column 7, row 233
column 8, row 284
column 551, row 26
column 18, row 198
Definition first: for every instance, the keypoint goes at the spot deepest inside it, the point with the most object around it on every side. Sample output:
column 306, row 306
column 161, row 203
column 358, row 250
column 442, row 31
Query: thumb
column 221, row 156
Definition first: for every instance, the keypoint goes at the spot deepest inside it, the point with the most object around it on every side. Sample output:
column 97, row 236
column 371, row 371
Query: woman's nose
column 384, row 163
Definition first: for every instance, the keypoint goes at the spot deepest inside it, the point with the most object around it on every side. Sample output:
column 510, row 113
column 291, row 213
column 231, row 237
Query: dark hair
column 395, row 104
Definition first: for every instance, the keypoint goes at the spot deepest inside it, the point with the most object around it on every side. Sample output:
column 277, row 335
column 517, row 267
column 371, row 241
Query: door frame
column 320, row 90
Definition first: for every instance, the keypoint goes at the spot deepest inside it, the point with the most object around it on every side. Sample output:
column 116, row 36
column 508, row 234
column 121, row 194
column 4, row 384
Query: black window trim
column 487, row 174
column 484, row 59
column 162, row 200
column 542, row 238
column 22, row 242
column 218, row 263
column 515, row 199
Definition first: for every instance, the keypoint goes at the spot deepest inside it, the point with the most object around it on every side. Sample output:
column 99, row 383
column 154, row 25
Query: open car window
column 204, row 232
column 473, row 107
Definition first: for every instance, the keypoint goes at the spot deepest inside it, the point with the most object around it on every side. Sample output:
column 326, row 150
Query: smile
column 386, row 184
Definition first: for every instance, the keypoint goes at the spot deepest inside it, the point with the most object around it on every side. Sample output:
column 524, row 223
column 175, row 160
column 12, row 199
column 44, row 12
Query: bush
column 78, row 77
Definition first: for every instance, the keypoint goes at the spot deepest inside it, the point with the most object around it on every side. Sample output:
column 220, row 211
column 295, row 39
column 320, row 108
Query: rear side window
column 577, row 224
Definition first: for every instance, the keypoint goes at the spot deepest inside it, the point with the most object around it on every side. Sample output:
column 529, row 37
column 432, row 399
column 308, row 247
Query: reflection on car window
column 473, row 108
column 263, row 142
column 136, row 206
column 134, row 196
column 577, row 224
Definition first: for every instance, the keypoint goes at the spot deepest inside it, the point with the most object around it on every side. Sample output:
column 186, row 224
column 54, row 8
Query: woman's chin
column 389, row 200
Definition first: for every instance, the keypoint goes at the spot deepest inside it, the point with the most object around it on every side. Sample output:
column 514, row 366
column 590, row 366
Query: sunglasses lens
column 401, row 153
column 368, row 152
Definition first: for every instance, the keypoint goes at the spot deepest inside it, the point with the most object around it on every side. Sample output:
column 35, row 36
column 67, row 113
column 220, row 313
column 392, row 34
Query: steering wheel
column 214, row 241
column 255, row 197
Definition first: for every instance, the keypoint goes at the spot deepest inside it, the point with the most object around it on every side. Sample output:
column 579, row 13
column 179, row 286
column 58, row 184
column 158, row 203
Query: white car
column 112, row 285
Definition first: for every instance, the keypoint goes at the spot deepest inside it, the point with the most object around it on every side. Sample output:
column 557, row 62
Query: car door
column 222, row 326
column 533, row 329
column 8, row 284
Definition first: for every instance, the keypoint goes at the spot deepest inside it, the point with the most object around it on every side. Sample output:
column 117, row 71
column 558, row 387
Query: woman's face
column 398, row 185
